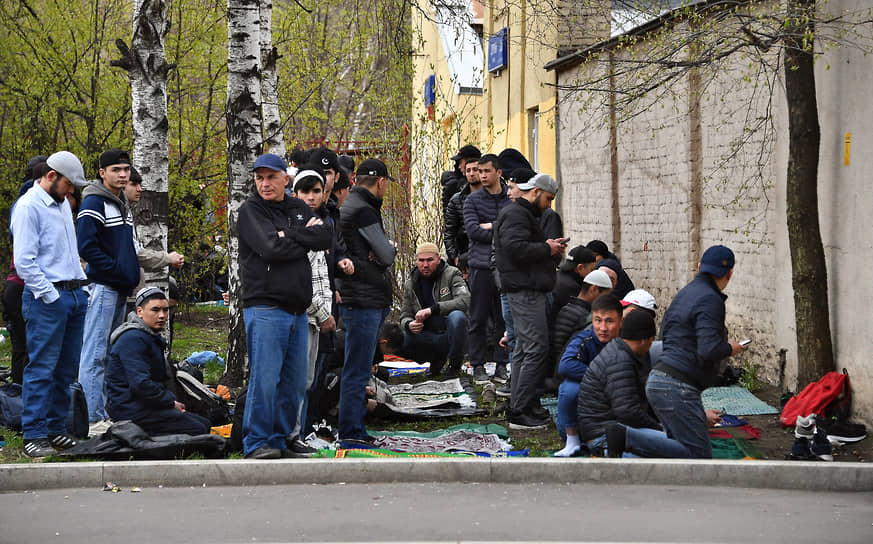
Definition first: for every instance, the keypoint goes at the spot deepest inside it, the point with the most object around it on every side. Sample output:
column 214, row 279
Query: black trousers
column 15, row 325
column 485, row 306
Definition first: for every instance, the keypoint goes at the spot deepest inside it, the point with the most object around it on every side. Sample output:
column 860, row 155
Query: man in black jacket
column 527, row 275
column 613, row 388
column 455, row 237
column 366, row 294
column 453, row 180
column 276, row 233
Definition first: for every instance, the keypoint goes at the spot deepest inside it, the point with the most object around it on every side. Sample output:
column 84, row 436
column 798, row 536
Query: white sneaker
column 99, row 427
column 805, row 427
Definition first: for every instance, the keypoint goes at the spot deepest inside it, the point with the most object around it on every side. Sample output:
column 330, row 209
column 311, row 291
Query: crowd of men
column 315, row 257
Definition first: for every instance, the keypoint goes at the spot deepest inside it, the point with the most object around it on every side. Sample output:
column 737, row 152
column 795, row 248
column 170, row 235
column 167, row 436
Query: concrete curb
column 809, row 476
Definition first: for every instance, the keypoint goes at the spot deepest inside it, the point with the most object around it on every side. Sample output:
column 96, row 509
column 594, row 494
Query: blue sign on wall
column 498, row 50
column 430, row 90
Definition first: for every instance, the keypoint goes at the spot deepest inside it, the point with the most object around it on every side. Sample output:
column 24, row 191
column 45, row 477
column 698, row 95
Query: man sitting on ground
column 137, row 372
column 433, row 315
column 613, row 389
column 576, row 314
column 581, row 350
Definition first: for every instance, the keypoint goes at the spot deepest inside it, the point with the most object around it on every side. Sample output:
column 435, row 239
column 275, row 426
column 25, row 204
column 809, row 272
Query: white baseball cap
column 641, row 298
column 599, row 278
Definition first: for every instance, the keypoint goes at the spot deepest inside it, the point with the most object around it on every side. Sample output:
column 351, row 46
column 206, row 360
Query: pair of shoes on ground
column 358, row 443
column 842, row 432
column 810, row 442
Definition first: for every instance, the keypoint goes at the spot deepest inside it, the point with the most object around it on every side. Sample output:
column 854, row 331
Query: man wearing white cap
column 527, row 276
column 53, row 302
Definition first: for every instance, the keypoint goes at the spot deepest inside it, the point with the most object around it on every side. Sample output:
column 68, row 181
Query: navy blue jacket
column 482, row 207
column 580, row 351
column 693, row 331
column 136, row 373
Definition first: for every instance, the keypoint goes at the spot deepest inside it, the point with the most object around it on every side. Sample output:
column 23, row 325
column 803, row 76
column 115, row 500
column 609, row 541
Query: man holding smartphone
column 695, row 341
column 527, row 276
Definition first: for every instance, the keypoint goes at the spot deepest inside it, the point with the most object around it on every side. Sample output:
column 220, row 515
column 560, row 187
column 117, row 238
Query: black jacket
column 573, row 317
column 361, row 223
column 455, row 237
column 553, row 227
column 613, row 389
column 330, row 214
column 274, row 269
column 624, row 285
column 567, row 287
column 451, row 181
column 523, row 256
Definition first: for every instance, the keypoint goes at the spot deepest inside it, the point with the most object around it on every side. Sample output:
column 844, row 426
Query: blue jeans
column 597, row 446
column 362, row 334
column 278, row 346
column 510, row 326
column 105, row 314
column 568, row 395
column 54, row 341
column 680, row 411
column 436, row 346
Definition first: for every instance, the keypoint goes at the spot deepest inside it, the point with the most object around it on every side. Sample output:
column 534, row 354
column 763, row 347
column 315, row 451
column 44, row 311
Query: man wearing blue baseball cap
column 276, row 232
column 695, row 343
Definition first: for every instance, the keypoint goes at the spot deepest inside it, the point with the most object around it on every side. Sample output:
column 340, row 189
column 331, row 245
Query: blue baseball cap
column 717, row 260
column 273, row 162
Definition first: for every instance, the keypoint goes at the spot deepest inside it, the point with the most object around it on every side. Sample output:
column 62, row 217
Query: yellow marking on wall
column 847, row 147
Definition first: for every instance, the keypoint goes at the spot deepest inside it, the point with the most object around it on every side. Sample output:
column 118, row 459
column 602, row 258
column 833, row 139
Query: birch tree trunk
column 244, row 144
column 274, row 139
column 147, row 67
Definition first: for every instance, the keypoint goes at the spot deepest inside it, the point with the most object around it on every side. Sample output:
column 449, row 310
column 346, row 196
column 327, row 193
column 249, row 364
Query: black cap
column 114, row 156
column 325, row 158
column 599, row 247
column 637, row 325
column 347, row 162
column 521, row 175
column 135, row 176
column 468, row 152
column 373, row 167
column 577, row 255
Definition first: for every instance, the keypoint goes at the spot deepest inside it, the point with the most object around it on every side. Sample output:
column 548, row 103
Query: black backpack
column 201, row 400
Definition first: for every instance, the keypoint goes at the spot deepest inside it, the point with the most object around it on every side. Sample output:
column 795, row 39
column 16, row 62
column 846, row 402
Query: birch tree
column 244, row 144
column 147, row 67
column 274, row 138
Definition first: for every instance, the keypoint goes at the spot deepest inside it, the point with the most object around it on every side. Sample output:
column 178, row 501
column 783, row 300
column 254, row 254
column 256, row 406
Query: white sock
column 572, row 447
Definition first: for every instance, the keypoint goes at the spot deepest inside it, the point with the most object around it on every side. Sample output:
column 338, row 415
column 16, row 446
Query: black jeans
column 485, row 305
column 15, row 325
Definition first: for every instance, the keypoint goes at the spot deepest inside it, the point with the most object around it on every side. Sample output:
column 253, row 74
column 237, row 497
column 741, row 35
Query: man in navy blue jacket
column 695, row 343
column 105, row 233
column 480, row 212
column 137, row 372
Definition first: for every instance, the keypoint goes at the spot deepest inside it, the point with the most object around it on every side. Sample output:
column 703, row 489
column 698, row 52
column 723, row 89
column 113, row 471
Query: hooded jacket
column 482, row 207
column 449, row 293
column 275, row 269
column 523, row 256
column 614, row 390
column 361, row 223
column 137, row 375
column 105, row 233
column 455, row 236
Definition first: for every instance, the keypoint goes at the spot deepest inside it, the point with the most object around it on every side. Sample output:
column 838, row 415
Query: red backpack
column 831, row 396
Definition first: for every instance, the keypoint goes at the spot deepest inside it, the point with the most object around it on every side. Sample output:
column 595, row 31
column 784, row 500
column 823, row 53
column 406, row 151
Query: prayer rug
column 735, row 400
column 461, row 440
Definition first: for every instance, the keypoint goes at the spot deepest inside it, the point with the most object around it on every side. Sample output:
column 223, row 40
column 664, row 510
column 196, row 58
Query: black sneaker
column 62, row 441
column 480, row 375
column 39, row 447
column 527, row 422
column 501, row 374
column 538, row 411
column 821, row 447
column 505, row 390
column 358, row 443
column 300, row 447
column 844, row 432
column 265, row 452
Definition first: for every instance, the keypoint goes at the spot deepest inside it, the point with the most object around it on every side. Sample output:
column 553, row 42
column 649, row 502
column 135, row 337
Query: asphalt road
column 436, row 513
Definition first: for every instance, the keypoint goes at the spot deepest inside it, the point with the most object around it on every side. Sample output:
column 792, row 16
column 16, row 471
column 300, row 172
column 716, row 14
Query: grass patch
column 200, row 328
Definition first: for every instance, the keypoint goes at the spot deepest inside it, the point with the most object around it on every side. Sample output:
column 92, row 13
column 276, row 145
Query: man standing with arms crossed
column 53, row 302
column 276, row 232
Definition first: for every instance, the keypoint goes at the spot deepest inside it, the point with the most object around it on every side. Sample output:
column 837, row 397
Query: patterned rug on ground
column 735, row 400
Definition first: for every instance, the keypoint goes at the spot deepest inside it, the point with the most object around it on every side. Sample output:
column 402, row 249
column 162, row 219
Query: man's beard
column 53, row 192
